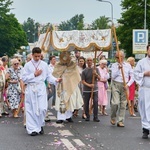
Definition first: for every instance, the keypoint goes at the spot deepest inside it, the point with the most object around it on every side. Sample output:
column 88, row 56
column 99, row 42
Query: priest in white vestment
column 34, row 74
column 142, row 77
column 68, row 95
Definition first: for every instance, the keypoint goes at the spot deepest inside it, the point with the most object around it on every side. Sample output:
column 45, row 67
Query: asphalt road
column 80, row 135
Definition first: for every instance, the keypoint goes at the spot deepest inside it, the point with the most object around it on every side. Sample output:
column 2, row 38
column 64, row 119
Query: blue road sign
column 140, row 41
column 140, row 36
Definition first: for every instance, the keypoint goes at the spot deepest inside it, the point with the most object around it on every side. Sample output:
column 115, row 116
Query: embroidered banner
column 76, row 39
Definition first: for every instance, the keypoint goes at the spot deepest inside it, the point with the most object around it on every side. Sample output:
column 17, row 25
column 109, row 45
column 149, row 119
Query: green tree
column 132, row 18
column 75, row 23
column 101, row 23
column 43, row 29
column 31, row 29
column 12, row 35
column 64, row 26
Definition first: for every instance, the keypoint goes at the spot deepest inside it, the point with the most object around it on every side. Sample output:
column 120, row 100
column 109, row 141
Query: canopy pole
column 42, row 47
column 122, row 71
column 20, row 104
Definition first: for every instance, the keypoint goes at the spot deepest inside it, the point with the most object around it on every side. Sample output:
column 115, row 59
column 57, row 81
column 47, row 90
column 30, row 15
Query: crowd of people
column 73, row 83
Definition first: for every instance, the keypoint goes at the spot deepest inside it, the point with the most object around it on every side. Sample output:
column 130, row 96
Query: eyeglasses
column 16, row 64
column 118, row 57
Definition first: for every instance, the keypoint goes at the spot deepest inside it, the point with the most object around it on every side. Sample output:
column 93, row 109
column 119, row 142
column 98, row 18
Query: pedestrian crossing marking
column 65, row 132
column 50, row 113
column 57, row 125
column 68, row 144
column 134, row 117
column 52, row 117
column 79, row 142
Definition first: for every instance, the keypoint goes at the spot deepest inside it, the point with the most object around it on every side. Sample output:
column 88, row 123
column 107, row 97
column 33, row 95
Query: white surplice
column 144, row 91
column 35, row 94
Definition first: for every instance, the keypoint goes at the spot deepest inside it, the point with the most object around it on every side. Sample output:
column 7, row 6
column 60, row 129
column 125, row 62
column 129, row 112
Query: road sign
column 114, row 43
column 139, row 56
column 140, row 41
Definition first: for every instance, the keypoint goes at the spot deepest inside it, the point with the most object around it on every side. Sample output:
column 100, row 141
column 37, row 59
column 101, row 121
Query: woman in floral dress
column 14, row 86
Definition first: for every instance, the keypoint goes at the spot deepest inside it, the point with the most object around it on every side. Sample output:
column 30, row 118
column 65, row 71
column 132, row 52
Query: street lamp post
column 111, row 8
column 111, row 21
column 145, row 15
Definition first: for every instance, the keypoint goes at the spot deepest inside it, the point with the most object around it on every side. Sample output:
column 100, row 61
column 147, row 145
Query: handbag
column 19, row 88
column 106, row 85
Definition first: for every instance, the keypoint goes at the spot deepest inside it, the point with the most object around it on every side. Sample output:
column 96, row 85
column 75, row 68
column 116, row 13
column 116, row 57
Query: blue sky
column 55, row 11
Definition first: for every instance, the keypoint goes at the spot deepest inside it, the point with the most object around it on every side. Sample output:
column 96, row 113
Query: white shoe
column 133, row 115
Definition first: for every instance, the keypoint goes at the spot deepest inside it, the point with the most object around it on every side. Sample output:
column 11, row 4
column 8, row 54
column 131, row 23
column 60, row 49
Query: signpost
column 140, row 41
column 139, row 56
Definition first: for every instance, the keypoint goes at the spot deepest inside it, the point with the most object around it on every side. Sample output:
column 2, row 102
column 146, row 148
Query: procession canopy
column 44, row 41
column 84, row 40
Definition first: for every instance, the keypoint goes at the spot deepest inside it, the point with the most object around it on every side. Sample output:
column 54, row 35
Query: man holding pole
column 121, row 71
column 87, row 75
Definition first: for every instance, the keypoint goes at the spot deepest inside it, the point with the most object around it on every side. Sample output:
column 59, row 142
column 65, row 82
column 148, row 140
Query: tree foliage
column 101, row 23
column 12, row 35
column 75, row 23
column 43, row 28
column 132, row 18
column 31, row 29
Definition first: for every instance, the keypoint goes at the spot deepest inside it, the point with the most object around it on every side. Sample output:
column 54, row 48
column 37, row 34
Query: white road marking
column 68, row 144
column 135, row 117
column 52, row 117
column 50, row 113
column 65, row 132
column 79, row 142
column 57, row 125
